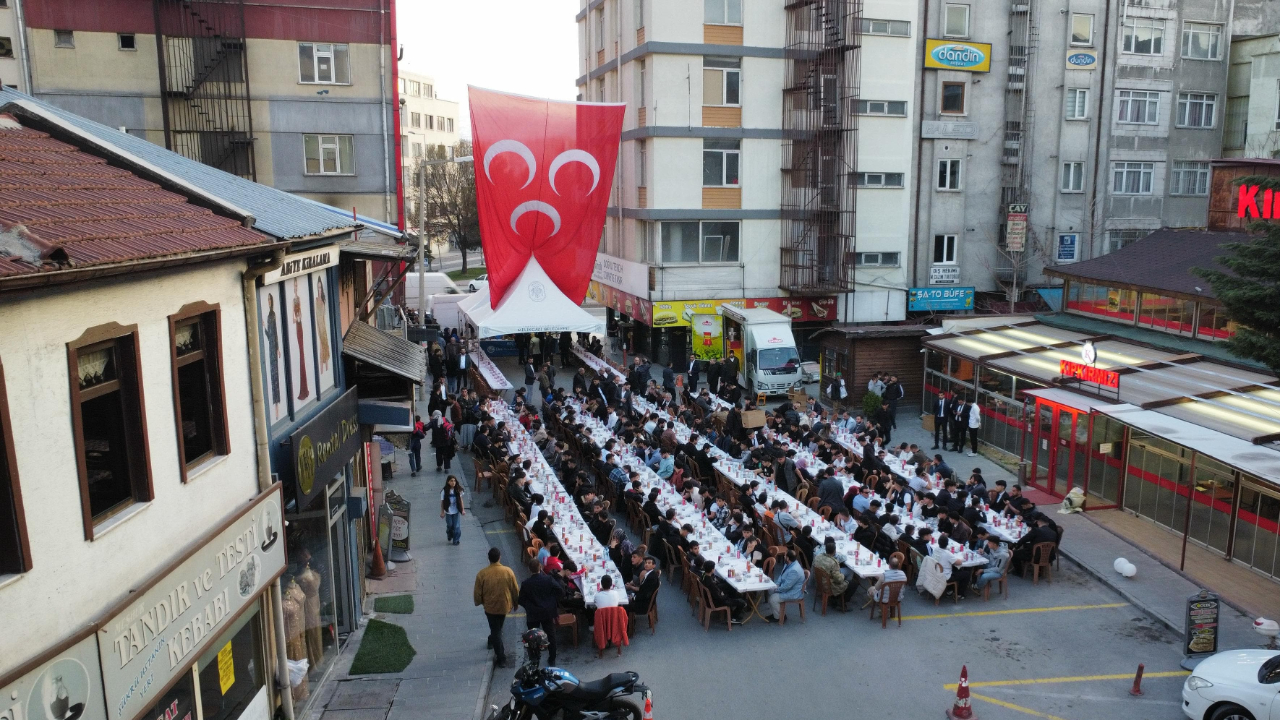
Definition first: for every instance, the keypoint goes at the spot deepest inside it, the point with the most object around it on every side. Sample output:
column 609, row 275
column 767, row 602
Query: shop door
column 1055, row 448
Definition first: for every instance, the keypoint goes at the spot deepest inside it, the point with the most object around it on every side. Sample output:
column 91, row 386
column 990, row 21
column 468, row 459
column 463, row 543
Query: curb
column 487, row 681
column 1106, row 579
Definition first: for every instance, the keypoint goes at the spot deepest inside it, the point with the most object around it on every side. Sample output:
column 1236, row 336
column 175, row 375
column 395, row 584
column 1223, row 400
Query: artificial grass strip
column 385, row 648
column 398, row 604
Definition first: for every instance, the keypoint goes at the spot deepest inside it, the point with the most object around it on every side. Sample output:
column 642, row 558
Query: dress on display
column 322, row 325
column 295, row 629
column 303, row 392
column 309, row 581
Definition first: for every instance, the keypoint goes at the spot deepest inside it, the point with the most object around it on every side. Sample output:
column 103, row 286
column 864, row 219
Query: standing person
column 442, row 439
column 530, row 376
column 452, row 509
column 415, row 446
column 566, row 348
column 540, row 596
column 496, row 589
column 975, row 424
column 959, row 425
column 941, row 420
column 893, row 392
column 695, row 368
column 669, row 380
column 713, row 376
column 535, row 349
column 544, row 381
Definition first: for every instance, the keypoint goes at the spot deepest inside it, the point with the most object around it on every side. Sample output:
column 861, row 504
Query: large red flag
column 544, row 170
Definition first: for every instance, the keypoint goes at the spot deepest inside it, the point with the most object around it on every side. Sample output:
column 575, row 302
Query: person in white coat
column 975, row 423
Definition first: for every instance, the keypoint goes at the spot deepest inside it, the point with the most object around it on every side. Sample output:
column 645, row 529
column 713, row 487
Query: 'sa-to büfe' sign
column 1088, row 373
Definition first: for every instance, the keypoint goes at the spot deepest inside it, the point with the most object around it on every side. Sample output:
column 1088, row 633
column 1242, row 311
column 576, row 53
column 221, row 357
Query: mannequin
column 309, row 581
column 295, row 629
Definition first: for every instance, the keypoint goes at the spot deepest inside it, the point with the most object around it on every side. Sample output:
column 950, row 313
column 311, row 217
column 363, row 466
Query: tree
column 1250, row 289
column 450, row 194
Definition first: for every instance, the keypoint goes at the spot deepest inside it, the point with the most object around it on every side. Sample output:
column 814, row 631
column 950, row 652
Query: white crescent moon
column 575, row 155
column 535, row 206
column 514, row 146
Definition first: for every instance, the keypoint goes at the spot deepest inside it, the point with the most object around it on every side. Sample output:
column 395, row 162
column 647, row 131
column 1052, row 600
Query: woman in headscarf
column 442, row 439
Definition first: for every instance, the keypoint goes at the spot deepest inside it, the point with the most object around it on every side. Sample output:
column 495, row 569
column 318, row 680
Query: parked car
column 1234, row 685
column 809, row 371
column 478, row 283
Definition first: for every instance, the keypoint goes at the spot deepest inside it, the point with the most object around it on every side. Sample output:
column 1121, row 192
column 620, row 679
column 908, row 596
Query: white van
column 437, row 283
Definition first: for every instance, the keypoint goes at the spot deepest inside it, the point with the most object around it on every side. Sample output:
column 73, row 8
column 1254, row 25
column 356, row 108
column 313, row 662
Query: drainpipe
column 261, row 441
column 382, row 110
column 1100, row 121
column 919, row 133
column 24, row 56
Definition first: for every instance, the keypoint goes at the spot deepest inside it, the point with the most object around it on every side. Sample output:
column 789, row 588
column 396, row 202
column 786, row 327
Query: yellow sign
column 957, row 55
column 680, row 313
column 226, row 669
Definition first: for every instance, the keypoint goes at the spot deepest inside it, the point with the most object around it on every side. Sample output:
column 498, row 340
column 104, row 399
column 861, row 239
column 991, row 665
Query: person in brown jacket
column 497, row 590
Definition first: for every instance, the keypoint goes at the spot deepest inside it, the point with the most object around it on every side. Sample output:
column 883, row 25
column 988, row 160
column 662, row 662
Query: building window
column 693, row 242
column 64, row 38
column 109, row 425
column 1236, row 123
column 197, row 385
column 722, row 12
column 127, row 41
column 944, row 249
column 1214, row 323
column 1200, row 41
column 431, row 122
column 329, row 154
column 6, row 47
column 953, row 98
column 877, row 180
column 720, row 160
column 415, row 119
column 600, row 30
column 1190, row 178
column 323, row 63
column 955, row 21
column 1143, row 36
column 895, row 108
column 877, row 259
column 1117, row 239
column 896, row 28
column 948, row 174
column 1132, row 178
column 1137, row 107
column 1081, row 29
column 1196, row 110
column 1077, row 104
column 15, row 553
column 642, row 163
column 429, row 91
column 417, row 150
column 1072, row 177
column 721, row 81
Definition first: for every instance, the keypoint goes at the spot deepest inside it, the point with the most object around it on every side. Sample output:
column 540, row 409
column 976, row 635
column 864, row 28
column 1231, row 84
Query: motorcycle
column 546, row 693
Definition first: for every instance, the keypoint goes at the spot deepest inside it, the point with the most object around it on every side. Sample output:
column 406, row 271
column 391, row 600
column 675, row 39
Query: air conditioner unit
column 6, row 47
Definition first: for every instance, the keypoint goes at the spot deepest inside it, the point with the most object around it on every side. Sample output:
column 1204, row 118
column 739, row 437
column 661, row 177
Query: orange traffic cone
column 961, row 709
column 378, row 569
column 648, row 709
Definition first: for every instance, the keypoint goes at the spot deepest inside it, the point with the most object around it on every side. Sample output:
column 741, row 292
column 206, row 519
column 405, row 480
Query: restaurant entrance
column 1061, row 442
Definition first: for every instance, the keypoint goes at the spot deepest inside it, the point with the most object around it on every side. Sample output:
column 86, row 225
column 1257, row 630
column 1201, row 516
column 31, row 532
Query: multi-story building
column 302, row 100
column 426, row 121
column 13, row 71
column 1253, row 97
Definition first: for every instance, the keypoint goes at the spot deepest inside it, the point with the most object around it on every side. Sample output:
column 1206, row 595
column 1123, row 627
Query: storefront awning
column 368, row 344
column 1075, row 401
column 1261, row 461
column 369, row 249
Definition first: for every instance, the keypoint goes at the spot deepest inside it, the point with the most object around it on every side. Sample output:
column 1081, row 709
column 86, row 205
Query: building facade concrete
column 426, row 122
column 1253, row 98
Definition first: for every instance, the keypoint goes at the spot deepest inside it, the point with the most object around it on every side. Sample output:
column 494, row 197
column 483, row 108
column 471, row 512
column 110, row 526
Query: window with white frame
column 1072, row 177
column 415, row 119
column 1197, row 110
column 896, row 28
column 695, row 242
column 1143, row 36
column 1189, row 178
column 944, row 249
column 722, row 12
column 1117, row 239
column 1132, row 178
column 324, row 64
column 948, row 174
column 1077, row 103
column 1081, row 29
column 639, row 14
column 448, row 124
column 1137, row 107
column 600, row 30
column 431, row 122
column 955, row 20
column 329, row 154
column 877, row 259
column 895, row 108
column 878, row 180
column 721, row 81
column 1201, row 41
column 720, row 162
column 719, row 242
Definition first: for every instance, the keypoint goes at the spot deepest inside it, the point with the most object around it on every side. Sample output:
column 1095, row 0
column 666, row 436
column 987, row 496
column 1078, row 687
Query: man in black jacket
column 893, row 392
column 722, row 595
column 643, row 588
column 530, row 377
column 1023, row 548
column 540, row 596
column 669, row 379
column 1002, row 496
column 713, row 376
column 691, row 375
column 941, row 420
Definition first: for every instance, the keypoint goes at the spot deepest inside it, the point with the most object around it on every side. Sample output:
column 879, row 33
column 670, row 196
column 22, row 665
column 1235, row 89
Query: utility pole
column 422, row 241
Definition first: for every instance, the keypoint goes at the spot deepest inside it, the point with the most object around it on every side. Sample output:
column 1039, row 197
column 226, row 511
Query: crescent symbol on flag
column 535, row 206
column 513, row 146
column 575, row 155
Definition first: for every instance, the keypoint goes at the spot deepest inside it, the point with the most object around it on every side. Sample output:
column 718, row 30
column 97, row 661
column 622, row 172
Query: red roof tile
column 73, row 209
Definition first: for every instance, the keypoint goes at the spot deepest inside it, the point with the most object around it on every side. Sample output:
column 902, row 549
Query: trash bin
column 399, row 528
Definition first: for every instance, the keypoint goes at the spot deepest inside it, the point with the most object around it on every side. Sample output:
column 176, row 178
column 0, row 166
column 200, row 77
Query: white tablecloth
column 599, row 366
column 489, row 371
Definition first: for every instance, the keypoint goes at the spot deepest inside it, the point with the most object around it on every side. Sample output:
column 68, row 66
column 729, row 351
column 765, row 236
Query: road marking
column 1011, row 706
column 1103, row 698
column 1074, row 678
column 1020, row 611
column 499, row 532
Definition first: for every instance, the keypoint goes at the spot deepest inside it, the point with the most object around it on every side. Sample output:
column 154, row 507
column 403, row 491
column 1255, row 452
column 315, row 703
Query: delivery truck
column 761, row 340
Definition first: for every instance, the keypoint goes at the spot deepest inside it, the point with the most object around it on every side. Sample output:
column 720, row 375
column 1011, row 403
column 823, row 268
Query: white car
column 1234, row 685
column 477, row 283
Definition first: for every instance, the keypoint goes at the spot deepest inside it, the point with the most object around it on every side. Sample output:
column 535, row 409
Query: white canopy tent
column 532, row 304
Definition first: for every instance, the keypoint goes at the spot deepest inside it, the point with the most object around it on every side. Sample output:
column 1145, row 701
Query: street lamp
column 422, row 230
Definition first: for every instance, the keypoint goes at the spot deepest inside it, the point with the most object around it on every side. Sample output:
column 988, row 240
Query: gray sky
column 528, row 47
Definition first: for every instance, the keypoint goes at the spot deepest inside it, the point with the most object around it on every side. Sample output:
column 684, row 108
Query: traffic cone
column 1136, row 690
column 961, row 709
column 648, row 709
column 378, row 570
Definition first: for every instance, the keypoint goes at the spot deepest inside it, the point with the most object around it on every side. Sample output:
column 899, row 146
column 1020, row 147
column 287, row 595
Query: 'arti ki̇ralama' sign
column 157, row 637
column 301, row 263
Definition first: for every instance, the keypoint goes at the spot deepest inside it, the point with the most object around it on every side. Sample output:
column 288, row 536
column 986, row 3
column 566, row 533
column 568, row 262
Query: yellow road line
column 983, row 613
column 1075, row 678
column 1011, row 706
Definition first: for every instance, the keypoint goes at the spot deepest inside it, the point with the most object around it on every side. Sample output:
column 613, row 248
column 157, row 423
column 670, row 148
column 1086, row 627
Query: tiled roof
column 1162, row 260
column 61, row 207
column 275, row 212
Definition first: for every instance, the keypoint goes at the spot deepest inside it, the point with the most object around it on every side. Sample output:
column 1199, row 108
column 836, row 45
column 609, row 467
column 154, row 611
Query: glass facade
column 1257, row 537
column 1165, row 313
column 1000, row 395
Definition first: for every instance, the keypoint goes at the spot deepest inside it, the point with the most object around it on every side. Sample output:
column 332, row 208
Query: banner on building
column 633, row 307
column 627, row 276
column 957, row 55
column 1015, row 234
column 940, row 299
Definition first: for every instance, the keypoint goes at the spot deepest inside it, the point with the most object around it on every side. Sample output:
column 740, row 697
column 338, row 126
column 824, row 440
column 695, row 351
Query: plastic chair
column 1004, row 585
column 822, row 591
column 890, row 605
column 569, row 620
column 1041, row 562
column 709, row 609
column 782, row 605
column 1057, row 556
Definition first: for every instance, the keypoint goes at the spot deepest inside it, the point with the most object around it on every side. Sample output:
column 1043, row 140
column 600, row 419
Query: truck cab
column 761, row 340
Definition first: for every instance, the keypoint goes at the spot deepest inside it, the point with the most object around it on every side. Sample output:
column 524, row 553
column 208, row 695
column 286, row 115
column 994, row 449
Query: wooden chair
column 689, row 583
column 568, row 620
column 909, row 565
column 954, row 587
column 531, row 559
column 650, row 613
column 1004, row 585
column 782, row 605
column 813, row 503
column 769, row 563
column 890, row 605
column 709, row 609
column 825, row 512
column 1041, row 562
column 676, row 560
column 822, row 592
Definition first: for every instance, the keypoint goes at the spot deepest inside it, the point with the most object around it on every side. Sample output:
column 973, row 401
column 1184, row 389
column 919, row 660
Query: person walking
column 695, row 369
column 415, row 446
column 975, row 424
column 535, row 350
column 893, row 392
column 540, row 596
column 452, row 509
column 442, row 439
column 497, row 590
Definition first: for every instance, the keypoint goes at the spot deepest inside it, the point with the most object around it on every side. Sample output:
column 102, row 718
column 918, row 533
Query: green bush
column 870, row 404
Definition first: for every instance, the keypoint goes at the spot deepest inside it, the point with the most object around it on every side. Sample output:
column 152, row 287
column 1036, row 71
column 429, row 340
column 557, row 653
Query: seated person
column 643, row 587
column 606, row 596
column 723, row 594
column 951, row 561
column 880, row 591
column 832, row 563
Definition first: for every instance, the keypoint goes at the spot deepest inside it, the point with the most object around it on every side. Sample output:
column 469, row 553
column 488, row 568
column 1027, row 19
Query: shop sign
column 322, row 447
column 623, row 302
column 942, row 129
column 944, row 275
column 67, row 687
column 685, row 313
column 955, row 55
column 1015, row 233
column 295, row 264
column 1068, row 247
column 1089, row 374
column 798, row 309
column 1201, row 627
column 629, row 277
column 1255, row 202
column 157, row 637
column 938, row 299
column 1082, row 60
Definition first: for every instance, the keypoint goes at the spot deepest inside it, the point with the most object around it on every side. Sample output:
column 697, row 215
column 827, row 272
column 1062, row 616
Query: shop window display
column 310, row 624
column 177, row 704
column 232, row 673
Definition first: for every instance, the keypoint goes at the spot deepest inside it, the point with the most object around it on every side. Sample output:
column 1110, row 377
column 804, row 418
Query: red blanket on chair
column 611, row 627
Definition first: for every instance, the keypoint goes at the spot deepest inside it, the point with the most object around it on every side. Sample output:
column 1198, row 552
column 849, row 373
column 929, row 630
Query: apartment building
column 299, row 98
column 1253, row 97
column 426, row 121
column 13, row 73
